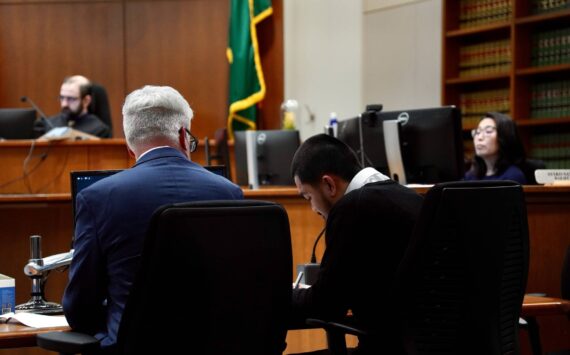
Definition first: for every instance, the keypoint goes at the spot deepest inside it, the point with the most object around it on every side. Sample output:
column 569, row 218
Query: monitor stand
column 392, row 145
column 37, row 304
column 251, row 153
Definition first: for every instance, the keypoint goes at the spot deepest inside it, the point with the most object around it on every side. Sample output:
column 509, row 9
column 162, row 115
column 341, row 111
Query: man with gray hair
column 114, row 213
column 74, row 99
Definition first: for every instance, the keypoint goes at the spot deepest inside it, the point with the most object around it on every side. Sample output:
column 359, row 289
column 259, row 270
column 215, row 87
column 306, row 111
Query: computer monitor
column 17, row 123
column 275, row 151
column 85, row 178
column 217, row 169
column 431, row 142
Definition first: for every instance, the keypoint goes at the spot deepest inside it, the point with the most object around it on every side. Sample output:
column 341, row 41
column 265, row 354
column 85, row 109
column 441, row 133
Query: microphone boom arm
column 43, row 116
column 38, row 267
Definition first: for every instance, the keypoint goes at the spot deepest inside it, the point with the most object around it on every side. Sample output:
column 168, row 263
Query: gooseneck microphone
column 43, row 116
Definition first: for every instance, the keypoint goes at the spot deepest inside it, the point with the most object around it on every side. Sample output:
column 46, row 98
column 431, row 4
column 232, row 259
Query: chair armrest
column 344, row 327
column 335, row 337
column 348, row 329
column 67, row 342
column 531, row 326
column 316, row 323
column 336, row 333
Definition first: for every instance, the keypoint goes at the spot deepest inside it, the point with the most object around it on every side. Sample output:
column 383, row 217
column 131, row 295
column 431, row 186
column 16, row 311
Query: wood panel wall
column 125, row 44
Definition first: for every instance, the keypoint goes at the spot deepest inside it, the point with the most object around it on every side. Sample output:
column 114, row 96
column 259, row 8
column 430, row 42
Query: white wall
column 323, row 59
column 342, row 54
column 402, row 55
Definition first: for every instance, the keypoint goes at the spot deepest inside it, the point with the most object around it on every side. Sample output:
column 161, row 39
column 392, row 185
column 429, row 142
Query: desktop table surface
column 18, row 335
column 536, row 306
column 14, row 335
column 548, row 210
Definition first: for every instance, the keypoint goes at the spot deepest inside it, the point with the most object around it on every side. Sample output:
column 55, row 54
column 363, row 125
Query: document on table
column 34, row 320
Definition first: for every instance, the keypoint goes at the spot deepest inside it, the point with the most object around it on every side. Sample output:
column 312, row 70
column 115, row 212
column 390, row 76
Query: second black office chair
column 528, row 168
column 460, row 286
column 221, row 153
column 215, row 279
column 99, row 105
column 531, row 323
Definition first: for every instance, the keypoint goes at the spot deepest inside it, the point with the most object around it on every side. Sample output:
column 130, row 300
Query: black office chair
column 99, row 105
column 234, row 257
column 531, row 323
column 528, row 168
column 221, row 155
column 460, row 286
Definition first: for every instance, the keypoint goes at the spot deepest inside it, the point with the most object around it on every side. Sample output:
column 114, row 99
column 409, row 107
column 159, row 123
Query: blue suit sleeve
column 85, row 293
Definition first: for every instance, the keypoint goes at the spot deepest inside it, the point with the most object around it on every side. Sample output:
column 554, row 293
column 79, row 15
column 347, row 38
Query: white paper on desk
column 36, row 320
column 300, row 285
column 416, row 186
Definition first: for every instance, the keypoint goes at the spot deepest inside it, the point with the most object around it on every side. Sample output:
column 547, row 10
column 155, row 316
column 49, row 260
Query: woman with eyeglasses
column 499, row 152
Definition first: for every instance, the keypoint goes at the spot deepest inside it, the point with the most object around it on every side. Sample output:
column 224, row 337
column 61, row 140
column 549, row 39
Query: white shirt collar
column 365, row 176
column 150, row 150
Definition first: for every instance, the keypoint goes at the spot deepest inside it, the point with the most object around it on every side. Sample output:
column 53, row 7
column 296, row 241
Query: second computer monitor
column 275, row 150
column 17, row 123
column 431, row 142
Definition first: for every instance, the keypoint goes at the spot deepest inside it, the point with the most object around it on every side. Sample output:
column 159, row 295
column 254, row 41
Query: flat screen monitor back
column 431, row 142
column 217, row 169
column 84, row 178
column 17, row 123
column 275, row 151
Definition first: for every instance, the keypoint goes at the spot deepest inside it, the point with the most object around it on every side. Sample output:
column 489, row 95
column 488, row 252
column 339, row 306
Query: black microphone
column 43, row 116
column 313, row 256
column 311, row 270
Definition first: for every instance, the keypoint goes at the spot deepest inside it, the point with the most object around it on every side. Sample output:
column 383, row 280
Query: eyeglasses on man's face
column 486, row 131
column 193, row 140
column 69, row 99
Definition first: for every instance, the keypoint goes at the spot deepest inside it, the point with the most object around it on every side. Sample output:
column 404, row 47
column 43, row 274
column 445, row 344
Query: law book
column 7, row 294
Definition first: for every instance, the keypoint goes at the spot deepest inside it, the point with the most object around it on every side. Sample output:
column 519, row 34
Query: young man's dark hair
column 322, row 154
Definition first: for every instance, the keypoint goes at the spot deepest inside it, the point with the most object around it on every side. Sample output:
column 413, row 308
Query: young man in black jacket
column 369, row 220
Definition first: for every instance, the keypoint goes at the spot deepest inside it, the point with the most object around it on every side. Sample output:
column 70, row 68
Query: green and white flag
column 247, row 86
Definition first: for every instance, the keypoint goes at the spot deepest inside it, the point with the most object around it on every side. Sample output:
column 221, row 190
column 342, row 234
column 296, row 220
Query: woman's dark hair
column 511, row 150
column 323, row 154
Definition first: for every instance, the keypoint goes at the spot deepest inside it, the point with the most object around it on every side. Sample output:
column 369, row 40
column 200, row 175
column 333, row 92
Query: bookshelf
column 511, row 56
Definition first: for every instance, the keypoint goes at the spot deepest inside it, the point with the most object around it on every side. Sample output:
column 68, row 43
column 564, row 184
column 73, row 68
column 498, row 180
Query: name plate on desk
column 552, row 176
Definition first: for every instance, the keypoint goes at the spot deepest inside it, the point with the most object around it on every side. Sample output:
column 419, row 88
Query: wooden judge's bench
column 34, row 199
column 33, row 167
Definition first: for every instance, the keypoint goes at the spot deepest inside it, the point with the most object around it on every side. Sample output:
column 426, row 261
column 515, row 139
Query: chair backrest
column 100, row 105
column 463, row 278
column 221, row 156
column 528, row 168
column 215, row 279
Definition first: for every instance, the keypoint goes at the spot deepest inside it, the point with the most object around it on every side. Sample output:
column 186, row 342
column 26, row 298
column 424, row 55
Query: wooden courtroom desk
column 534, row 306
column 50, row 216
column 17, row 335
column 47, row 169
